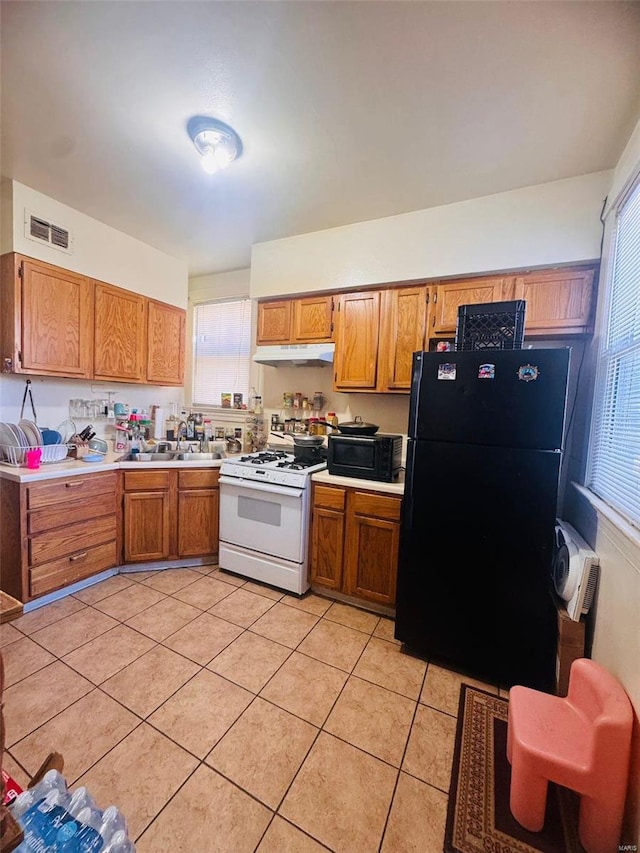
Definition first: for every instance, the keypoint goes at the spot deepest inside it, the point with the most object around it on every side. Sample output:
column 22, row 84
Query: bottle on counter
column 191, row 427
column 332, row 419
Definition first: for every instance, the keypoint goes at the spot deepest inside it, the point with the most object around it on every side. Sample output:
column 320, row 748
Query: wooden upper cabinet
column 312, row 318
column 53, row 320
column 295, row 321
column 274, row 322
column 558, row 301
column 450, row 295
column 165, row 343
column 120, row 334
column 404, row 314
column 357, row 327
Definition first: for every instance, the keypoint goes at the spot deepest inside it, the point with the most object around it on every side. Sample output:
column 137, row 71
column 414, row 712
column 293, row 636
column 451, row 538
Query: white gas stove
column 273, row 466
column 264, row 517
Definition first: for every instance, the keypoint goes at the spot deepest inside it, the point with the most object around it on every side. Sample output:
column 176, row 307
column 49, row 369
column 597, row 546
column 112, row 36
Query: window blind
column 614, row 462
column 222, row 344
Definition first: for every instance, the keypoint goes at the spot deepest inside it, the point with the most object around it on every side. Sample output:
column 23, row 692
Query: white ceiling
column 347, row 111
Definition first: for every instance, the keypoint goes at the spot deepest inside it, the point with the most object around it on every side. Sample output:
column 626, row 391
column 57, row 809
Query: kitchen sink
column 197, row 456
column 171, row 456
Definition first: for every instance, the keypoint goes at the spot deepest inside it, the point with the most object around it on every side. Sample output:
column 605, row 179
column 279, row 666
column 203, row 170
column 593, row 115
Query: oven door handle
column 261, row 487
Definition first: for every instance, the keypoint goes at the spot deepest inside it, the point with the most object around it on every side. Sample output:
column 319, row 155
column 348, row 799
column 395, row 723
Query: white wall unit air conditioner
column 40, row 230
column 574, row 570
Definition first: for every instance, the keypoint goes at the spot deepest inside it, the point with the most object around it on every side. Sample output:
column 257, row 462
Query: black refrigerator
column 478, row 517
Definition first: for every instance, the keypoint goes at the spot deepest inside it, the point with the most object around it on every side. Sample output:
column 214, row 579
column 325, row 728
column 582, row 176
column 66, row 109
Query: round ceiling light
column 216, row 142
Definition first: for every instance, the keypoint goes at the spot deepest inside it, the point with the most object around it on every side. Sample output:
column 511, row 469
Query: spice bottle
column 331, row 419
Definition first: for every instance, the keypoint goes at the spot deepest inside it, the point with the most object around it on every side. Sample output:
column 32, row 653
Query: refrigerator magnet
column 528, row 372
column 487, row 371
column 446, row 371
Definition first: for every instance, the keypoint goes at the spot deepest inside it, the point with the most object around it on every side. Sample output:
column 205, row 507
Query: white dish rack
column 16, row 456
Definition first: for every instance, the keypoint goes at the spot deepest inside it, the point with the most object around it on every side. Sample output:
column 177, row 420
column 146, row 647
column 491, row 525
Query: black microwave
column 370, row 457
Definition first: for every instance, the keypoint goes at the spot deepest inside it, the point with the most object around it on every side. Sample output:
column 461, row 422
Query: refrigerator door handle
column 407, row 503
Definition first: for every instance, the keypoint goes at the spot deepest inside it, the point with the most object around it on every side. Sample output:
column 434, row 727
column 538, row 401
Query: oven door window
column 270, row 522
column 355, row 454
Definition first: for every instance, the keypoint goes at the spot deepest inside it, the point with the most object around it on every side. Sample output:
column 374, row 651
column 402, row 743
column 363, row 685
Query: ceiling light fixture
column 216, row 142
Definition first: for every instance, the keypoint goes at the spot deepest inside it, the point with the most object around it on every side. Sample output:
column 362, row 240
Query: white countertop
column 394, row 488
column 76, row 467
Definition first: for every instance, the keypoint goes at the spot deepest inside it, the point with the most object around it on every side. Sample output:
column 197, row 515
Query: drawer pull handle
column 77, row 557
column 72, row 485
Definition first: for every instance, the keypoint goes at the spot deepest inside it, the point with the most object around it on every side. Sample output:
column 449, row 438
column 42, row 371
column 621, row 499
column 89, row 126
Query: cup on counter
column 33, row 457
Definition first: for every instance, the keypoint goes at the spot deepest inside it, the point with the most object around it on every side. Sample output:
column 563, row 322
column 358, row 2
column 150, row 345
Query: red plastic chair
column 582, row 742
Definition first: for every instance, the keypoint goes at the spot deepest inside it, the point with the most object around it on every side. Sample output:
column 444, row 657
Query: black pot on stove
column 310, row 453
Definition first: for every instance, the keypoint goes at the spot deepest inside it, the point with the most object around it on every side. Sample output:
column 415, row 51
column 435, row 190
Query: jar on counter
column 332, row 419
column 321, row 427
column 313, row 426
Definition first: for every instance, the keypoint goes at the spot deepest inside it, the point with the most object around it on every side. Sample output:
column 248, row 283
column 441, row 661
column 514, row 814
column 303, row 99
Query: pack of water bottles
column 56, row 820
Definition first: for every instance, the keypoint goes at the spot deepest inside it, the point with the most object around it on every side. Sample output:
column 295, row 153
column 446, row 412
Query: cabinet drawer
column 68, row 570
column 204, row 478
column 70, row 488
column 380, row 506
column 71, row 540
column 329, row 497
column 72, row 512
column 142, row 481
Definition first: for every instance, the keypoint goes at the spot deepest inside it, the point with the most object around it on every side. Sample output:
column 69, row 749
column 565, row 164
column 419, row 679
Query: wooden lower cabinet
column 57, row 532
column 354, row 542
column 198, row 511
column 169, row 514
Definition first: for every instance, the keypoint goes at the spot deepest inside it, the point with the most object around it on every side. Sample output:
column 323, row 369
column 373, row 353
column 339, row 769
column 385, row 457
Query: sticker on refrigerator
column 487, row 371
column 446, row 371
column 528, row 372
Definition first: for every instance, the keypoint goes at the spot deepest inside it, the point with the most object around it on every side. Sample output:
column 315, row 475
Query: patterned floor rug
column 478, row 817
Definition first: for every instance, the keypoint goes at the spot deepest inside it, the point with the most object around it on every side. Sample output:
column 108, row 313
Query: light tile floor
column 223, row 715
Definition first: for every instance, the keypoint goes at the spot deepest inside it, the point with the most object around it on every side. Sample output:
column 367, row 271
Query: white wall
column 99, row 251
column 51, row 396
column 103, row 253
column 554, row 223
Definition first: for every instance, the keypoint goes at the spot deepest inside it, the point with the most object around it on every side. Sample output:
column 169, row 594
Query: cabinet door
column 165, row 342
column 274, row 322
column 57, row 321
column 451, row 295
column 403, row 333
column 198, row 511
column 558, row 301
column 357, row 322
column 312, row 318
column 372, row 558
column 120, row 334
column 327, row 546
column 146, row 526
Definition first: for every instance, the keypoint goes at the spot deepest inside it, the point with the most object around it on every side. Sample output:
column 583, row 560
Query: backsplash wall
column 51, row 397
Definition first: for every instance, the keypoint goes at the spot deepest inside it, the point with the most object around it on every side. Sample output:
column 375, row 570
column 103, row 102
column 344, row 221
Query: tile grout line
column 404, row 752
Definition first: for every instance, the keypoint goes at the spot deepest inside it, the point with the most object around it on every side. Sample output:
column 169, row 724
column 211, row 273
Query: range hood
column 302, row 355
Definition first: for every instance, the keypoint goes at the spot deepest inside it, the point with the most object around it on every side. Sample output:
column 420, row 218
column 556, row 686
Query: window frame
column 608, row 353
column 222, row 413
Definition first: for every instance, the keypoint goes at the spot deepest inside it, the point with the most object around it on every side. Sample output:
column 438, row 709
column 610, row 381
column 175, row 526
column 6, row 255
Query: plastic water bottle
column 113, row 821
column 51, row 781
column 87, row 838
column 37, row 825
column 119, row 843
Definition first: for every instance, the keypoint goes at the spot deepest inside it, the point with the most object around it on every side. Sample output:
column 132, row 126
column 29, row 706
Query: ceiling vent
column 38, row 229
